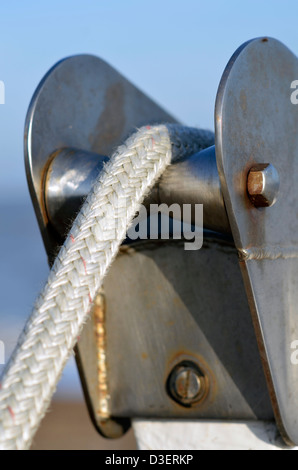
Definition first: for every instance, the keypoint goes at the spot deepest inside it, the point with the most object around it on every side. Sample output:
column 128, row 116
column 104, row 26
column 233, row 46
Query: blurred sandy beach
column 67, row 427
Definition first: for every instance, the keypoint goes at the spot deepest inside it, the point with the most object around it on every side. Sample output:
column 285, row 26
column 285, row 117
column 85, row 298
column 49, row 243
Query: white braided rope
column 62, row 308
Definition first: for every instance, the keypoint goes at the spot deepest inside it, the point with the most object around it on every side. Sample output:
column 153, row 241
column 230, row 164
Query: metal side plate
column 183, row 306
column 257, row 123
column 82, row 103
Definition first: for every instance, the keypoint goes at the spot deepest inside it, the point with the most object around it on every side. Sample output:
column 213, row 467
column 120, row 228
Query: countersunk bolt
column 186, row 384
column 263, row 184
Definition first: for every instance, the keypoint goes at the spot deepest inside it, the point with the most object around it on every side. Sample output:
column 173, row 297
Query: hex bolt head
column 186, row 384
column 263, row 185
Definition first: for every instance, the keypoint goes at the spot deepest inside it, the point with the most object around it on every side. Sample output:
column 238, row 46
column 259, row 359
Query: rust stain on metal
column 255, row 183
column 100, row 336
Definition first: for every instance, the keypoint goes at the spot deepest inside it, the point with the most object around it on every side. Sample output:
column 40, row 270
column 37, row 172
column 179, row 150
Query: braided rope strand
column 62, row 308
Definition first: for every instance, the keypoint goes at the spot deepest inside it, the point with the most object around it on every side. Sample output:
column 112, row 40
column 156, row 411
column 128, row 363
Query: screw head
column 186, row 384
column 263, row 184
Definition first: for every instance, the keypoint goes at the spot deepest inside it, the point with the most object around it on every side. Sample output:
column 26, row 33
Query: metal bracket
column 81, row 103
column 256, row 123
column 192, row 329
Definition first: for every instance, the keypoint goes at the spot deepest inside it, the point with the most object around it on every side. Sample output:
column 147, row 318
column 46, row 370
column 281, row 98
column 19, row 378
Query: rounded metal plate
column 81, row 103
column 257, row 123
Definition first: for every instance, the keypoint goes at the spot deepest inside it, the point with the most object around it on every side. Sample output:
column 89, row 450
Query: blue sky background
column 175, row 51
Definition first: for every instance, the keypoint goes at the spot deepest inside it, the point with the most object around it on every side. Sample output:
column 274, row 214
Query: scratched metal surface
column 257, row 123
column 182, row 306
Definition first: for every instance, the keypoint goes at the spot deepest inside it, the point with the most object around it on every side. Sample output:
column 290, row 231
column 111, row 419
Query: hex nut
column 263, row 185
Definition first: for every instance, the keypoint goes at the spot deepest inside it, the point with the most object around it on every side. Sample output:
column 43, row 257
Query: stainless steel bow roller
column 171, row 335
